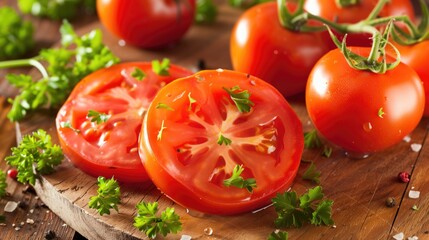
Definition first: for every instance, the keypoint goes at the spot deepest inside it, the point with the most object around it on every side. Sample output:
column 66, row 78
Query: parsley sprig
column 294, row 211
column 66, row 66
column 237, row 180
column 108, row 197
column 36, row 154
column 3, row 184
column 149, row 222
column 241, row 98
column 16, row 35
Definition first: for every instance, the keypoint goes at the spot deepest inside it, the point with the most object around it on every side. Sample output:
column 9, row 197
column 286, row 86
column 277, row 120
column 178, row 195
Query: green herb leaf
column 16, row 35
column 327, row 151
column 244, row 4
column 312, row 140
column 380, row 113
column 206, row 12
column 97, row 117
column 68, row 125
column 66, row 66
column 240, row 98
column 223, row 140
column 161, row 68
column 308, row 208
column 3, row 184
column 164, row 106
column 108, row 197
column 191, row 101
column 415, row 208
column 278, row 235
column 237, row 180
column 152, row 224
column 35, row 151
column 312, row 174
column 138, row 74
column 56, row 10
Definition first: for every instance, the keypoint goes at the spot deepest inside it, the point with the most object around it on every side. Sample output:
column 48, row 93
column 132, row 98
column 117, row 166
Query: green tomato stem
column 376, row 10
column 24, row 63
column 346, row 3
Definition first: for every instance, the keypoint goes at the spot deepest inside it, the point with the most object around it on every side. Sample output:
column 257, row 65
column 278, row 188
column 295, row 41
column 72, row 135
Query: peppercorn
column 390, row 202
column 404, row 177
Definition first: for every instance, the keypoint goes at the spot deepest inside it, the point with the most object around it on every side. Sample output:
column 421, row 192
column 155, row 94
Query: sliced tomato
column 179, row 142
column 109, row 148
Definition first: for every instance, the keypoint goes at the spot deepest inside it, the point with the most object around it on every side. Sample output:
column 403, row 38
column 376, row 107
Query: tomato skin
column 260, row 46
column 328, row 9
column 344, row 103
column 416, row 56
column 195, row 180
column 147, row 23
column 110, row 149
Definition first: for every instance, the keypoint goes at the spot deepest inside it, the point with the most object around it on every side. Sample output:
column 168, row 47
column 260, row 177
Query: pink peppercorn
column 404, row 177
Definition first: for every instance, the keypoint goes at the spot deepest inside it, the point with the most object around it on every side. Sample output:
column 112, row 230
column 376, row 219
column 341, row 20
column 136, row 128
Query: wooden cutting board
column 358, row 187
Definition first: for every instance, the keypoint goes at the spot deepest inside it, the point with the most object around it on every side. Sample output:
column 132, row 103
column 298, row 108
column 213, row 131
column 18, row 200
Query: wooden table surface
column 359, row 188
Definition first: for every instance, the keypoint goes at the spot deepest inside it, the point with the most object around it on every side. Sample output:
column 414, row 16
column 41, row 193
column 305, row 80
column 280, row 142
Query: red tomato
column 417, row 57
column 12, row 173
column 360, row 111
column 110, row 148
column 180, row 150
column 328, row 9
column 147, row 23
column 260, row 46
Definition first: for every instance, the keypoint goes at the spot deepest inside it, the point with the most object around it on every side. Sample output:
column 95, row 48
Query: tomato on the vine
column 416, row 56
column 332, row 11
column 147, row 23
column 99, row 124
column 360, row 111
column 260, row 46
column 200, row 128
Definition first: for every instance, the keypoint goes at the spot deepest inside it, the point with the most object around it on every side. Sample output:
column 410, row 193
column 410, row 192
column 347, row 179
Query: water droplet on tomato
column 122, row 43
column 367, row 127
column 194, row 213
column 208, row 231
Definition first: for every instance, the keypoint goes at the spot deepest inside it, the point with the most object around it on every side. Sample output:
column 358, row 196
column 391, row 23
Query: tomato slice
column 180, row 150
column 109, row 148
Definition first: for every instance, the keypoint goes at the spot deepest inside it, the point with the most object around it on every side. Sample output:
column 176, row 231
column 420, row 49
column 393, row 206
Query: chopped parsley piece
column 138, row 74
column 3, row 184
column 35, row 151
column 191, row 101
column 237, row 180
column 294, row 211
column 161, row 68
column 97, row 117
column 68, row 125
column 380, row 113
column 312, row 140
column 159, row 136
column 164, row 106
column 327, row 151
column 108, row 197
column 152, row 224
column 278, row 235
column 312, row 174
column 240, row 98
column 223, row 140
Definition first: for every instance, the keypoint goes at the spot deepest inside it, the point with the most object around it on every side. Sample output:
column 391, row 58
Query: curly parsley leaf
column 54, row 9
column 66, row 66
column 108, row 197
column 237, row 180
column 16, row 35
column 98, row 117
column 161, row 68
column 240, row 98
column 312, row 174
column 294, row 211
column 36, row 154
column 3, row 184
column 149, row 222
column 278, row 235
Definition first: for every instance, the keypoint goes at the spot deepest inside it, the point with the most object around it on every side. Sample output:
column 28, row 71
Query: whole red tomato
column 417, row 57
column 99, row 124
column 328, row 9
column 360, row 111
column 147, row 23
column 195, row 135
column 260, row 46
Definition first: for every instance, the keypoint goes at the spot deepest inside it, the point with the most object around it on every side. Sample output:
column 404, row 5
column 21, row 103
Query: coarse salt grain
column 399, row 236
column 30, row 221
column 186, row 237
column 414, row 194
column 416, row 147
column 413, row 238
column 407, row 139
column 10, row 206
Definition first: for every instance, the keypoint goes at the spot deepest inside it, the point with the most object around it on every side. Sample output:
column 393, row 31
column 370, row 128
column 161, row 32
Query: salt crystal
column 31, row 210
column 186, row 237
column 219, row 70
column 407, row 139
column 17, row 228
column 416, row 147
column 413, row 238
column 22, row 223
column 30, row 221
column 414, row 194
column 399, row 236
column 10, row 206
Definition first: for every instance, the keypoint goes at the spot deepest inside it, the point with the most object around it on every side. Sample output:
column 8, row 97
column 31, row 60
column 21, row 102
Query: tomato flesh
column 180, row 150
column 110, row 148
